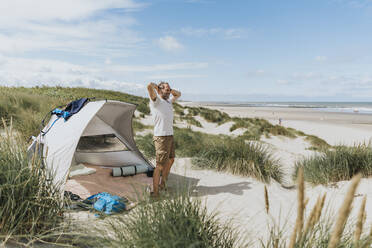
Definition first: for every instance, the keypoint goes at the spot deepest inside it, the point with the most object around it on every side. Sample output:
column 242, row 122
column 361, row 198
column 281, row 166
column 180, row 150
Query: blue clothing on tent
column 75, row 106
column 107, row 203
column 71, row 109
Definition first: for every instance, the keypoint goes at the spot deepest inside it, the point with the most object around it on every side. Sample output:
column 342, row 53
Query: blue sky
column 211, row 50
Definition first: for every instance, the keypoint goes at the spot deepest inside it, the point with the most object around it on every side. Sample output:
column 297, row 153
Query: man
column 162, row 111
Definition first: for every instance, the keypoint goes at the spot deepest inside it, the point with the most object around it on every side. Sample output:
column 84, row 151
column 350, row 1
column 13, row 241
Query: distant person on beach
column 161, row 104
column 280, row 121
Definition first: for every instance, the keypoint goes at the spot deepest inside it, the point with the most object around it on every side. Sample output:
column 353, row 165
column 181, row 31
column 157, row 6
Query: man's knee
column 159, row 166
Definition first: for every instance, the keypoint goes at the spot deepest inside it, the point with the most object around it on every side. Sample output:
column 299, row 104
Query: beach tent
column 99, row 134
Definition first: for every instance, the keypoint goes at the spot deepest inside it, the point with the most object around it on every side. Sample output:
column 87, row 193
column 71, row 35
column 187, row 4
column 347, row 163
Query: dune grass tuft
column 340, row 163
column 30, row 205
column 211, row 115
column 175, row 221
column 191, row 121
column 238, row 157
column 322, row 231
column 317, row 143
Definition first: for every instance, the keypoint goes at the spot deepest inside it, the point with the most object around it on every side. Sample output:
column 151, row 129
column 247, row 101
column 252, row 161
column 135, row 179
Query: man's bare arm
column 176, row 94
column 151, row 88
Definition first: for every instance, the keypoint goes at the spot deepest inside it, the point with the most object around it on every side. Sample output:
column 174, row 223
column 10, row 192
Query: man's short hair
column 160, row 85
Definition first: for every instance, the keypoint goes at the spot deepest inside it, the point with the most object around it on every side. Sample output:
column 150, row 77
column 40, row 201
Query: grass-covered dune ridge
column 337, row 164
column 28, row 106
column 255, row 128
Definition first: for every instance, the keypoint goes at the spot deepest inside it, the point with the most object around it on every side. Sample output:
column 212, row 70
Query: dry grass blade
column 300, row 208
column 301, row 203
column 370, row 236
column 267, row 205
column 311, row 220
column 344, row 212
column 359, row 224
column 320, row 208
column 306, row 202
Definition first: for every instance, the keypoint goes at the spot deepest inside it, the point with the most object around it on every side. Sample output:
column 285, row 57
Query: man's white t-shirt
column 162, row 113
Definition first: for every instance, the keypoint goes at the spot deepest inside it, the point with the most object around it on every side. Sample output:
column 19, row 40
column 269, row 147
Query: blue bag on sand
column 107, row 203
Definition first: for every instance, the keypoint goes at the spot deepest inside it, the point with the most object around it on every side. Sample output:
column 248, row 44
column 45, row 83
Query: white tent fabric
column 95, row 118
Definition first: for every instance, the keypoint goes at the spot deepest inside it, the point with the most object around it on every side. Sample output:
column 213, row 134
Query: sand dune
column 241, row 199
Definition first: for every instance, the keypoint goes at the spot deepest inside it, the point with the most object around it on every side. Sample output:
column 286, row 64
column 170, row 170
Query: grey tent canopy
column 99, row 134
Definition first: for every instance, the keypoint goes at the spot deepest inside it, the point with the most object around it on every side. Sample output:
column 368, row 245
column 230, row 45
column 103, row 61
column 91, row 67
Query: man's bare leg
column 156, row 179
column 166, row 171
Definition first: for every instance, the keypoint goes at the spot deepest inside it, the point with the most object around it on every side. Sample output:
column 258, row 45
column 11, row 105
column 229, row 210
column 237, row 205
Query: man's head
column 164, row 90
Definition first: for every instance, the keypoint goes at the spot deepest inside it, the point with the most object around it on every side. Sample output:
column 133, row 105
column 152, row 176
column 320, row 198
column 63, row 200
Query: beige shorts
column 164, row 148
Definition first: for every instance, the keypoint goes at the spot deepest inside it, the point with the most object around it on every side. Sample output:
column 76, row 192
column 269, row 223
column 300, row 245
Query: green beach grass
column 173, row 221
column 337, row 164
column 30, row 205
column 240, row 158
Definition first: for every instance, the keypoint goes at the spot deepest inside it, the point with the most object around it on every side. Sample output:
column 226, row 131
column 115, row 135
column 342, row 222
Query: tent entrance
column 101, row 143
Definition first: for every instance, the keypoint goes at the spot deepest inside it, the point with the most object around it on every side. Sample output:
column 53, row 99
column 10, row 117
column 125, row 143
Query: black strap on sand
column 121, row 168
column 135, row 170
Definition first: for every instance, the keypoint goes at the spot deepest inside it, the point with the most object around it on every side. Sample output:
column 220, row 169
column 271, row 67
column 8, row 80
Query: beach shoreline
column 335, row 128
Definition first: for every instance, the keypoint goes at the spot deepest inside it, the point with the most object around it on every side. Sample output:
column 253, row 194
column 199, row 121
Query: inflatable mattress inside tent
column 98, row 135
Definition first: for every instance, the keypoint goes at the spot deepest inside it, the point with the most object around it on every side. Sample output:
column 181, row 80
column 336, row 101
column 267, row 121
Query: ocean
column 338, row 107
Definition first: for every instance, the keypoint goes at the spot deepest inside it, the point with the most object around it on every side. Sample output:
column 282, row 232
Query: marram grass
column 337, row 164
column 30, row 205
column 239, row 157
column 322, row 230
column 172, row 221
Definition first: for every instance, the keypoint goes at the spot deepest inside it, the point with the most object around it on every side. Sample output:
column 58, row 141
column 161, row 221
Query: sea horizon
column 339, row 107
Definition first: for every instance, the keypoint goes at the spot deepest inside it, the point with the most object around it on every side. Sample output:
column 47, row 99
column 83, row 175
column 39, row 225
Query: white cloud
column 77, row 26
column 355, row 3
column 306, row 75
column 108, row 61
column 320, row 58
column 33, row 72
column 257, row 73
column 67, row 10
column 199, row 1
column 169, row 43
column 175, row 76
column 282, row 81
column 36, row 72
column 227, row 33
column 159, row 67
